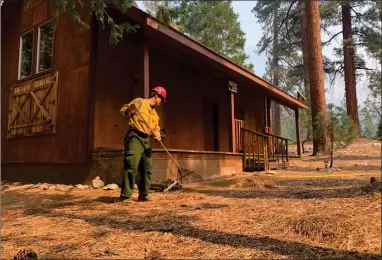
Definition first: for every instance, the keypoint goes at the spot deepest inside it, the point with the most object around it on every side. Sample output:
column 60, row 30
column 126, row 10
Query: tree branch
column 358, row 15
column 282, row 22
column 286, row 23
column 364, row 68
column 331, row 38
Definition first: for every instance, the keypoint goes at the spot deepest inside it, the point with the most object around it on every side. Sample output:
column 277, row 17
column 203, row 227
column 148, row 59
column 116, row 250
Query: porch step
column 272, row 166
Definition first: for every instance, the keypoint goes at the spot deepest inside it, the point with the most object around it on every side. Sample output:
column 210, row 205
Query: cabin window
column 26, row 55
column 45, row 47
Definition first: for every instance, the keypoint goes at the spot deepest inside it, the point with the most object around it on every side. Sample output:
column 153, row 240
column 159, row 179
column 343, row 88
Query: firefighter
column 137, row 143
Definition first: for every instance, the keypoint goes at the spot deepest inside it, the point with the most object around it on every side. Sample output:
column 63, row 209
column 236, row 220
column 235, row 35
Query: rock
column 62, row 187
column 271, row 172
column 26, row 186
column 98, row 184
column 97, row 178
column 112, row 186
column 52, row 187
column 35, row 186
column 376, row 144
column 81, row 187
column 44, row 186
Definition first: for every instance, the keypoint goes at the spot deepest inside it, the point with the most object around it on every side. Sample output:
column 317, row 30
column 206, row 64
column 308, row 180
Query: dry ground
column 297, row 213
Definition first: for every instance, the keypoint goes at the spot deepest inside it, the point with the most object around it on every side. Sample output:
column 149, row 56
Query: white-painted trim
column 20, row 53
column 38, row 47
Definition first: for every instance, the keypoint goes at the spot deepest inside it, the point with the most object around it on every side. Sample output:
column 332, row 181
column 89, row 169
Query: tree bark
column 304, row 50
column 316, row 72
column 306, row 70
column 349, row 68
column 276, row 77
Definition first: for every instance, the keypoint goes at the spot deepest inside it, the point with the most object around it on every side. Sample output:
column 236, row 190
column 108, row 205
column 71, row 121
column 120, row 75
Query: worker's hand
column 158, row 137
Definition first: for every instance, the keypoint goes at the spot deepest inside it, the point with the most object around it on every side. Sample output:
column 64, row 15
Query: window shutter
column 33, row 107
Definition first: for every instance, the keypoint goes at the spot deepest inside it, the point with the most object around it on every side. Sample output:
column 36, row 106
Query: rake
column 193, row 176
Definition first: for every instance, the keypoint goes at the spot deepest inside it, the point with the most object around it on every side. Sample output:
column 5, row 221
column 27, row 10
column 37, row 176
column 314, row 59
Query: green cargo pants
column 137, row 157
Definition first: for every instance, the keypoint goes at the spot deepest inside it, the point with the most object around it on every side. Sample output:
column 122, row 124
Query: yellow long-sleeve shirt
column 148, row 113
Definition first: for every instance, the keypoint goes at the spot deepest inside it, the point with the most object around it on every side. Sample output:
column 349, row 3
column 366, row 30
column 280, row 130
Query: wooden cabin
column 62, row 88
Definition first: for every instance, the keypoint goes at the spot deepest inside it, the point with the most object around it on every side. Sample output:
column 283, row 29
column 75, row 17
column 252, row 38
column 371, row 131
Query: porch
column 264, row 150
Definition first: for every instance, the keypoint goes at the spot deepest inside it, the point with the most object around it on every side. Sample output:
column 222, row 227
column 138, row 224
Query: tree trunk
column 349, row 68
column 304, row 51
column 331, row 138
column 316, row 72
column 306, row 69
column 276, row 76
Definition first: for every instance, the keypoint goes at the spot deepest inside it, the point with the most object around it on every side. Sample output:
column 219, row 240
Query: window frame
column 34, row 29
column 38, row 72
column 20, row 56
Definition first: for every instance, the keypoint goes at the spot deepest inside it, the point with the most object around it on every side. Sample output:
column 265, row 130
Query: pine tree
column 368, row 126
column 349, row 67
column 211, row 23
column 361, row 27
column 99, row 8
column 316, row 74
column 379, row 131
column 339, row 128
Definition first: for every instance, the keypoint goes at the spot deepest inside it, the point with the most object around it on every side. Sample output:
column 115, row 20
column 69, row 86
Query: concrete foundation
column 108, row 164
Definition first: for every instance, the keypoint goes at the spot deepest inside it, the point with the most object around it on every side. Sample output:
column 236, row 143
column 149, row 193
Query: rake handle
column 164, row 147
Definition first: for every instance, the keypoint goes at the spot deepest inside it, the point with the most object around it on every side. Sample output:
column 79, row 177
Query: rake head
column 188, row 176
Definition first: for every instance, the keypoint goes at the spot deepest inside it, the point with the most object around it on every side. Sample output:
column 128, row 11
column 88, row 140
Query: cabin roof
column 148, row 21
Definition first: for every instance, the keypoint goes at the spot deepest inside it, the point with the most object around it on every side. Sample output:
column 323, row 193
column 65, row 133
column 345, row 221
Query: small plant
column 339, row 128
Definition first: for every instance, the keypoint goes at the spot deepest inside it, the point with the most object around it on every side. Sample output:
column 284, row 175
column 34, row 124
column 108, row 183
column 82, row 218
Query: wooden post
column 146, row 72
column 286, row 147
column 298, row 138
column 244, row 150
column 269, row 114
column 233, row 122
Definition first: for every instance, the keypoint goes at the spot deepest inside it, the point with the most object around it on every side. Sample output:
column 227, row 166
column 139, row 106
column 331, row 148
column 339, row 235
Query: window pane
column 45, row 54
column 26, row 55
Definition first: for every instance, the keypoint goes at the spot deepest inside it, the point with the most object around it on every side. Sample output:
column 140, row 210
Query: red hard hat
column 161, row 91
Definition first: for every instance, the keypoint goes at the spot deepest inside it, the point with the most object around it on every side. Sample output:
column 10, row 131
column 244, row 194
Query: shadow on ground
column 288, row 194
column 170, row 222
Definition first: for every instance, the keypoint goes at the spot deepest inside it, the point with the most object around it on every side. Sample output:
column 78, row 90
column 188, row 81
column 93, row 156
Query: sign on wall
column 232, row 86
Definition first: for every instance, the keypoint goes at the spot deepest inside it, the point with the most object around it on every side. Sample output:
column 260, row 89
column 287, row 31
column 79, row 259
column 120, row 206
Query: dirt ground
column 301, row 212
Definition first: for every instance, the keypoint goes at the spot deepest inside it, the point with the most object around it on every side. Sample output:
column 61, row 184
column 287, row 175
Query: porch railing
column 278, row 148
column 255, row 150
column 238, row 125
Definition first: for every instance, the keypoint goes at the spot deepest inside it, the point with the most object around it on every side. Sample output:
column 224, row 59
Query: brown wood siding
column 187, row 87
column 115, row 69
column 71, row 60
column 251, row 99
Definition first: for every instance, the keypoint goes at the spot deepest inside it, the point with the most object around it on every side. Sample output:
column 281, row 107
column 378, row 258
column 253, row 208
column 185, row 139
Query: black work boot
column 144, row 198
